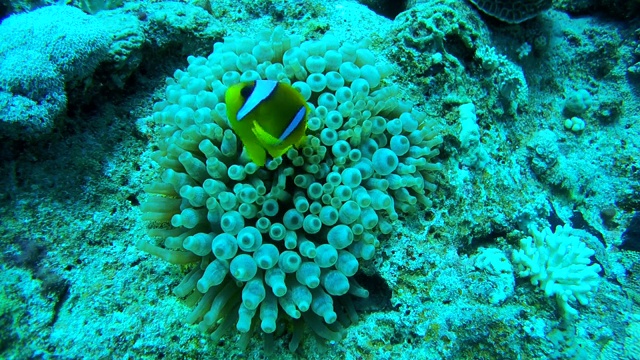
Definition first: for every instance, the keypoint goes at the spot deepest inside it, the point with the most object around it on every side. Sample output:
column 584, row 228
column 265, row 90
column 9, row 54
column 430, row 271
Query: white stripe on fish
column 294, row 123
column 261, row 91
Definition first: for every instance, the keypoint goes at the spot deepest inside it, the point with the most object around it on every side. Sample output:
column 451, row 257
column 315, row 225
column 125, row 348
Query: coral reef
column 509, row 101
column 513, row 11
column 32, row 92
column 73, row 59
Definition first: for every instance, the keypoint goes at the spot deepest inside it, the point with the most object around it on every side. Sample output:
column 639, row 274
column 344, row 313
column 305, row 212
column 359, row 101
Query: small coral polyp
column 283, row 242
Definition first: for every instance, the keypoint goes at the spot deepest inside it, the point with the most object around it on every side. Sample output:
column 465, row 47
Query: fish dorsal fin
column 263, row 136
column 261, row 91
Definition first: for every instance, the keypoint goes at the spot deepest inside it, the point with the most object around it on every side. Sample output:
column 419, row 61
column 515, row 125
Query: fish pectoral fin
column 256, row 153
column 277, row 152
column 302, row 142
column 263, row 136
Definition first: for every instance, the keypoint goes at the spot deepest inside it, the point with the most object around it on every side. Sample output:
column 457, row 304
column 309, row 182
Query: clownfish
column 268, row 117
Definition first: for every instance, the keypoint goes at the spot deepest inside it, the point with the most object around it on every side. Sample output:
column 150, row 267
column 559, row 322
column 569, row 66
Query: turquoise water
column 468, row 187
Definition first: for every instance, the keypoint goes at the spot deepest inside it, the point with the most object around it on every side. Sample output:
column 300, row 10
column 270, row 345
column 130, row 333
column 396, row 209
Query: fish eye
column 246, row 91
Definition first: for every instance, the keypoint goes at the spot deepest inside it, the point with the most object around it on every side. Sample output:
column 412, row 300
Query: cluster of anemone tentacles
column 282, row 242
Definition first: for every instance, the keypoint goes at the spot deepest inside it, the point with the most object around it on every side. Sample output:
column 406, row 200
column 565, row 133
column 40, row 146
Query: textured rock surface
column 513, row 11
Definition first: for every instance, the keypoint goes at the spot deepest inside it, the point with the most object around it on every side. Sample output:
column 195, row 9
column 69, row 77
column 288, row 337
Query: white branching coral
column 559, row 263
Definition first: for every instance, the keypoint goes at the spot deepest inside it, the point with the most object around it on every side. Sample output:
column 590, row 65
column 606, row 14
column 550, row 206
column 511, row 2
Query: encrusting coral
column 271, row 243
